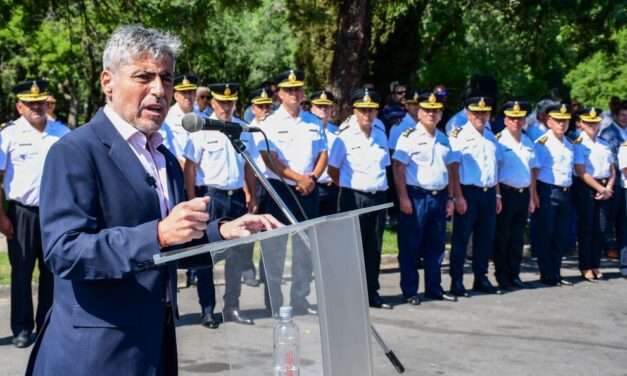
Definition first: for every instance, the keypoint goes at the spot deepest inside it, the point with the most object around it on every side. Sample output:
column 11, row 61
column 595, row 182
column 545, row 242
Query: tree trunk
column 350, row 57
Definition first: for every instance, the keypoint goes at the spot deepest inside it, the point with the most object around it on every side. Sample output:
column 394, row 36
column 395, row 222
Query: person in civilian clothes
column 213, row 168
column 477, row 196
column 421, row 167
column 24, row 146
column 516, row 182
column 555, row 157
column 323, row 106
column 298, row 155
column 357, row 163
column 592, row 188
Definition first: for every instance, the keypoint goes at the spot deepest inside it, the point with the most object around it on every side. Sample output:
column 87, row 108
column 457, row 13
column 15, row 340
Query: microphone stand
column 240, row 148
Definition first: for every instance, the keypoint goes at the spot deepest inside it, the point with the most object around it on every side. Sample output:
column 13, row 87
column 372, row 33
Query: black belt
column 484, row 189
column 432, row 192
column 556, row 187
column 505, row 187
column 217, row 191
column 363, row 192
column 29, row 207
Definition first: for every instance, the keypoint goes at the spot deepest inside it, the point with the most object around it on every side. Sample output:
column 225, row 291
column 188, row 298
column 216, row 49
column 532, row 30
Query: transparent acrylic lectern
column 319, row 262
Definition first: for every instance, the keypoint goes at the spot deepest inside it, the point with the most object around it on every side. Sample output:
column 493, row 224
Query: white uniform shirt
column 218, row 164
column 622, row 162
column 23, row 150
column 361, row 160
column 330, row 133
column 556, row 160
column 173, row 133
column 425, row 158
column 478, row 156
column 398, row 129
column 297, row 142
column 258, row 144
column 518, row 159
column 595, row 155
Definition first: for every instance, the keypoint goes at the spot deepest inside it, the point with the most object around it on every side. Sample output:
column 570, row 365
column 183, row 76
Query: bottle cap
column 285, row 312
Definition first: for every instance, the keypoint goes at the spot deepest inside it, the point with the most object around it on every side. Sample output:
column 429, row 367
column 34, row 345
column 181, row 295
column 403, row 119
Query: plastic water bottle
column 286, row 345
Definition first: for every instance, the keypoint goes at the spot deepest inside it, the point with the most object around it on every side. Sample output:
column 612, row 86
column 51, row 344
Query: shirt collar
column 128, row 131
column 282, row 112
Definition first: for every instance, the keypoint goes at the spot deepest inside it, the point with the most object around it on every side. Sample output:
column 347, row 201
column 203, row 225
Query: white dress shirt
column 519, row 158
column 425, row 157
column 596, row 155
column 556, row 160
column 361, row 159
column 478, row 156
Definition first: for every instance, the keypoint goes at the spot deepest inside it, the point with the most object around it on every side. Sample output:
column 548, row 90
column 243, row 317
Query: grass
column 390, row 247
column 5, row 269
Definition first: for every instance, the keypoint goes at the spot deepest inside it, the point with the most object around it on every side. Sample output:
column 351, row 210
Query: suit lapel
column 127, row 163
column 175, row 177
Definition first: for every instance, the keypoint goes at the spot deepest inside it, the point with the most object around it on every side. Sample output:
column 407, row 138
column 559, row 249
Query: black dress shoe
column 23, row 339
column 458, row 289
column 210, row 321
column 441, row 296
column 517, row 283
column 484, row 285
column 505, row 286
column 413, row 300
column 377, row 302
column 548, row 281
column 235, row 316
column 563, row 282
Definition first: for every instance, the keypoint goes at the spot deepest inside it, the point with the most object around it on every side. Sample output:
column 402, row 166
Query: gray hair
column 130, row 42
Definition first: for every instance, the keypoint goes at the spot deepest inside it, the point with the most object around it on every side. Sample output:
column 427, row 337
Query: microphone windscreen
column 192, row 122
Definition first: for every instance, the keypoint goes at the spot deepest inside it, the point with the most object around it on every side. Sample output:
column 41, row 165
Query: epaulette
column 379, row 126
column 344, row 126
column 409, row 131
column 6, row 125
column 455, row 132
column 542, row 140
column 498, row 135
column 624, row 144
column 576, row 140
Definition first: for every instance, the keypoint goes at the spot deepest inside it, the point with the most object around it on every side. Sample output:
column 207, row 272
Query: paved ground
column 580, row 330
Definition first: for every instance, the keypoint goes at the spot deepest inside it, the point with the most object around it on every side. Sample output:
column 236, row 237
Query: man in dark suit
column 114, row 198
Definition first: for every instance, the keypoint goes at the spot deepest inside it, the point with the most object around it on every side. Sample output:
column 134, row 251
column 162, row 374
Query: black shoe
column 458, row 289
column 563, row 282
column 306, row 309
column 210, row 321
column 234, row 315
column 377, row 302
column 441, row 296
column 548, row 281
column 518, row 283
column 23, row 339
column 413, row 300
column 484, row 285
column 505, row 285
column 251, row 282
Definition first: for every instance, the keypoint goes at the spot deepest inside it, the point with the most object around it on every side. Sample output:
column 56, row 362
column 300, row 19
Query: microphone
column 194, row 123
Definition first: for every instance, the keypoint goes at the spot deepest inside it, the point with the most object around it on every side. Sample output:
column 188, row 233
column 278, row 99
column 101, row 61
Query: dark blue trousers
column 422, row 234
column 274, row 250
column 328, row 198
column 509, row 236
column 224, row 204
column 552, row 222
column 479, row 220
column 589, row 235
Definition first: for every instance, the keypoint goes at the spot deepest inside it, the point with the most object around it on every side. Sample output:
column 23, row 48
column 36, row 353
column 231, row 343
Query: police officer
column 23, row 148
column 592, row 188
column 477, row 197
column 323, row 106
column 515, row 181
column 213, row 168
column 174, row 135
column 421, row 172
column 555, row 158
column 357, row 163
column 298, row 155
column 202, row 101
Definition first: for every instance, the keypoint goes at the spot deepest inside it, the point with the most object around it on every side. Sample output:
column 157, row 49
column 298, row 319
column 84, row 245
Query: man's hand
column 251, row 204
column 6, row 227
column 499, row 205
column 248, row 224
column 532, row 205
column 405, row 206
column 460, row 205
column 450, row 208
column 305, row 185
column 187, row 221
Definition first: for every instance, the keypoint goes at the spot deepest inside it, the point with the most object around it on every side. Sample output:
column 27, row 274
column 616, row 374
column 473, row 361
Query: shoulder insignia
column 498, row 135
column 345, row 125
column 542, row 140
column 624, row 144
column 455, row 132
column 5, row 125
column 409, row 131
column 577, row 140
column 379, row 126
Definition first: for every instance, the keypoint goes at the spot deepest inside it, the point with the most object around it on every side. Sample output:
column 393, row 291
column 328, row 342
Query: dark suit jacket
column 99, row 219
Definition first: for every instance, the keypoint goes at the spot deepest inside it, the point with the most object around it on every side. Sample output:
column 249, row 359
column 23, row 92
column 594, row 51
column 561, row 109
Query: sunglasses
column 400, row 92
column 203, row 97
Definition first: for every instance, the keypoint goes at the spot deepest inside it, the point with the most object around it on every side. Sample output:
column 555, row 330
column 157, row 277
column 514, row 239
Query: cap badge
column 292, row 76
column 432, row 98
column 34, row 89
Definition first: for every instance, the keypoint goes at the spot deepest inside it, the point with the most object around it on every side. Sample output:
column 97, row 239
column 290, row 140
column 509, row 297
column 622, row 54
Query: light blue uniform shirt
column 535, row 130
column 518, row 159
column 478, row 156
column 218, row 165
column 297, row 142
column 622, row 162
column 330, row 134
column 425, row 158
column 398, row 129
column 361, row 159
column 174, row 135
column 595, row 155
column 556, row 160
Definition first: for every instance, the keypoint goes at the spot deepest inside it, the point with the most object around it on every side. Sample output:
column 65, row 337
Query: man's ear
column 106, row 80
